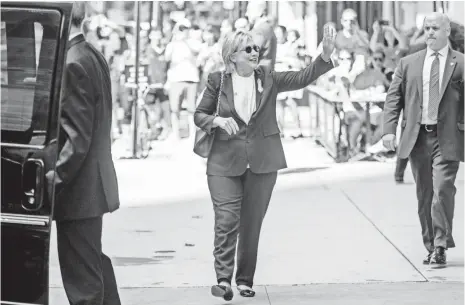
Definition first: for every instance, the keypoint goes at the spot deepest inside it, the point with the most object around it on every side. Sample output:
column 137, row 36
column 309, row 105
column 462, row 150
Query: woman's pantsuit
column 242, row 168
column 240, row 204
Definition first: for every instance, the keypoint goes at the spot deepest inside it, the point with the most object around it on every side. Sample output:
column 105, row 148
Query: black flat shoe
column 246, row 292
column 221, row 291
column 427, row 259
column 439, row 256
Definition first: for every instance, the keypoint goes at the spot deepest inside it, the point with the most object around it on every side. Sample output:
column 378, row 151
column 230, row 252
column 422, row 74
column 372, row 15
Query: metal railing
column 327, row 125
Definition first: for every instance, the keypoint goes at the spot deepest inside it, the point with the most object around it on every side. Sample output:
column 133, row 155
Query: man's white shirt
column 74, row 35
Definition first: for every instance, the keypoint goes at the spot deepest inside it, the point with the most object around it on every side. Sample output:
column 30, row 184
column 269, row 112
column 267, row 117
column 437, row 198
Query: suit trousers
column 240, row 204
column 435, row 185
column 87, row 273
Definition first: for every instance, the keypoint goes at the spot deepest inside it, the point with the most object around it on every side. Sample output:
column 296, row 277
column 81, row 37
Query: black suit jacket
column 258, row 142
column 86, row 184
column 406, row 92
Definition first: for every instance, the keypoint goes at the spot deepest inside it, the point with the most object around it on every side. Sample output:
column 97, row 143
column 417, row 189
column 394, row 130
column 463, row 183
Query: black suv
column 34, row 39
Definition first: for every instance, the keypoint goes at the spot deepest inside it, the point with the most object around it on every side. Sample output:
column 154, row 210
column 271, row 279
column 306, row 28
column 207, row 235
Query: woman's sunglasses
column 248, row 49
column 377, row 58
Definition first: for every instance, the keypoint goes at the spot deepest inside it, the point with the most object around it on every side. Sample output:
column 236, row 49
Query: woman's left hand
column 329, row 38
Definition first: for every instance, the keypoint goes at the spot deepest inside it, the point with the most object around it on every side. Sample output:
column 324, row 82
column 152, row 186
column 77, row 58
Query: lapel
column 419, row 71
column 448, row 71
column 229, row 92
column 79, row 38
column 259, row 84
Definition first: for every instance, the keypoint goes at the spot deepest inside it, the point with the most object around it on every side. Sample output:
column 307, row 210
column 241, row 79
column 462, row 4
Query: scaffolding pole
column 136, row 81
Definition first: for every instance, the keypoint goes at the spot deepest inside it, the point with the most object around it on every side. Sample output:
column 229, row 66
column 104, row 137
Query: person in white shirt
column 428, row 87
column 183, row 75
column 247, row 151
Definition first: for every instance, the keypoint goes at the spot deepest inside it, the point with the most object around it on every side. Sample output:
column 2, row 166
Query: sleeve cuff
column 209, row 127
column 329, row 61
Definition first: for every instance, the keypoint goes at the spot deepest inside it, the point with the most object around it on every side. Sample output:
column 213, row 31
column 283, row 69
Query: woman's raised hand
column 329, row 38
column 227, row 124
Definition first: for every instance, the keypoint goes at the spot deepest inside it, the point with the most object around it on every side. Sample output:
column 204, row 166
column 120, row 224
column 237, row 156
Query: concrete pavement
column 320, row 294
column 334, row 234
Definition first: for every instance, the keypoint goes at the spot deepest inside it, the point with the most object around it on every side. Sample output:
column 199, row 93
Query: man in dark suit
column 85, row 177
column 428, row 86
column 263, row 32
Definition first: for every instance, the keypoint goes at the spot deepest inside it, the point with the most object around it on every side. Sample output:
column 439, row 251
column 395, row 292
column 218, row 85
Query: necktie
column 433, row 104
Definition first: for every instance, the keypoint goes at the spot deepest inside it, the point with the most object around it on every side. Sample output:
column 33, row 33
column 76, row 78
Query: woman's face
column 345, row 59
column 378, row 60
column 246, row 56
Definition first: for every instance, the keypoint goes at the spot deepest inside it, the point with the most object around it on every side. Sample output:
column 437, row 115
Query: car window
column 29, row 39
column 17, row 103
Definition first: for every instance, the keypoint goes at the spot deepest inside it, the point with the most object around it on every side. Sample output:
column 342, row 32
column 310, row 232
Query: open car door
column 34, row 37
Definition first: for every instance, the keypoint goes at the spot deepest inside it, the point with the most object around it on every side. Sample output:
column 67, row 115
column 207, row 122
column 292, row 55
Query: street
column 334, row 234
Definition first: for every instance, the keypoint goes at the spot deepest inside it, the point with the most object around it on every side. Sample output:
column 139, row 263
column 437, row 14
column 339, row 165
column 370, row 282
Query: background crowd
column 181, row 54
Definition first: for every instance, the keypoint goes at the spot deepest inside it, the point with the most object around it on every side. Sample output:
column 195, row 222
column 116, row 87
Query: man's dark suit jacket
column 86, row 183
column 406, row 92
column 259, row 141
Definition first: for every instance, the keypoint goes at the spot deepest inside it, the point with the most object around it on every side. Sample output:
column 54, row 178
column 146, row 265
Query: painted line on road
column 380, row 232
column 267, row 295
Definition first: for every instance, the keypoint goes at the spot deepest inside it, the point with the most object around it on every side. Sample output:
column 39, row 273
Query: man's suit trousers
column 87, row 273
column 435, row 182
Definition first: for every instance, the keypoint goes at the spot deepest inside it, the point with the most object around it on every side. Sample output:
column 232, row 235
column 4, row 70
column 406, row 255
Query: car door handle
column 33, row 184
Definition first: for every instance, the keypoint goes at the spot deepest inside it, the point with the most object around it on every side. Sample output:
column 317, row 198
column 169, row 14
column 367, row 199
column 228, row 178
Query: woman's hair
column 231, row 43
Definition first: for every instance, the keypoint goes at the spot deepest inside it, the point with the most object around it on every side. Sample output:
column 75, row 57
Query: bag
column 203, row 141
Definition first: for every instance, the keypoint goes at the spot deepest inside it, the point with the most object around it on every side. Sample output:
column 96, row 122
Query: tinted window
column 29, row 40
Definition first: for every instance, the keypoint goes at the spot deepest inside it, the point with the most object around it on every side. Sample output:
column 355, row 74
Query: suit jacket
column 86, row 184
column 257, row 143
column 406, row 92
column 265, row 38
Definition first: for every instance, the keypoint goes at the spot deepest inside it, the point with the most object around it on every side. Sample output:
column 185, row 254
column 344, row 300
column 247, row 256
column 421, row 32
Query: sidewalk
column 321, row 294
column 334, row 234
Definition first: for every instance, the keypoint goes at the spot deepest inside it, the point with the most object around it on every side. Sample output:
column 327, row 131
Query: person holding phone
column 387, row 38
column 351, row 37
